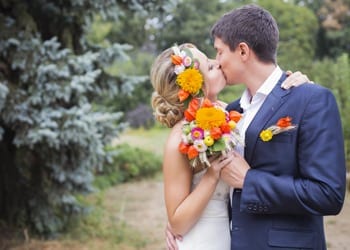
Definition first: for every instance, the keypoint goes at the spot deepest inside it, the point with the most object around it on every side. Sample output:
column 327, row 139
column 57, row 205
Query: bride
column 196, row 199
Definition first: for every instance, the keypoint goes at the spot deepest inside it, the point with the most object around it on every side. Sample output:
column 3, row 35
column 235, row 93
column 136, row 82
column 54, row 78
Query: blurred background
column 79, row 149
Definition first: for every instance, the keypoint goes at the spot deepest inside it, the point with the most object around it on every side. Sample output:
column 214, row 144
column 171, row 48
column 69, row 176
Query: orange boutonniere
column 284, row 124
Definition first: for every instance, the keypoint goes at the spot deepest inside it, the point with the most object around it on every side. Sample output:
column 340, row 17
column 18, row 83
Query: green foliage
column 139, row 65
column 297, row 35
column 333, row 37
column 191, row 21
column 136, row 106
column 128, row 163
column 53, row 130
column 335, row 74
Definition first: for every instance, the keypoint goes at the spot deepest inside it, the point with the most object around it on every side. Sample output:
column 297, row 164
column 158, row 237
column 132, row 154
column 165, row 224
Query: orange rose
column 189, row 116
column 225, row 128
column 175, row 59
column 215, row 133
column 190, row 112
column 183, row 95
column 192, row 152
column 194, row 104
column 183, row 148
column 284, row 122
column 235, row 116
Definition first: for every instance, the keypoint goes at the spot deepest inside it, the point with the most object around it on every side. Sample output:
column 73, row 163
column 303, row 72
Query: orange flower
column 183, row 95
column 208, row 118
column 183, row 148
column 192, row 152
column 235, row 116
column 207, row 103
column 215, row 133
column 190, row 80
column 190, row 112
column 225, row 128
column 284, row 122
column 175, row 59
column 189, row 116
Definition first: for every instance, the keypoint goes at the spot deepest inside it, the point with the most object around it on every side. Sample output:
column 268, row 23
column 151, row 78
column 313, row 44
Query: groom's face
column 229, row 61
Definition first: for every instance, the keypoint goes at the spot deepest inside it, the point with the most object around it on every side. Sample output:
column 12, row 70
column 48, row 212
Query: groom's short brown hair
column 250, row 24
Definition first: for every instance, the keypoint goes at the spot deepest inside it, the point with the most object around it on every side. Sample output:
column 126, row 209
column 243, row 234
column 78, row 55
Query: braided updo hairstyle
column 167, row 108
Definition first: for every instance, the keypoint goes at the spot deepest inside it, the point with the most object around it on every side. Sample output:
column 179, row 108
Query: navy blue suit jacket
column 296, row 178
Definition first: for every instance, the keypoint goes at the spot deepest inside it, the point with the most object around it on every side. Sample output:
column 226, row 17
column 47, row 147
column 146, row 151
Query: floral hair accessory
column 189, row 78
column 283, row 124
column 208, row 130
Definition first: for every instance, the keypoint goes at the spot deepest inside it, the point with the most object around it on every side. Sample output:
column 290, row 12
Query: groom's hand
column 171, row 238
column 235, row 172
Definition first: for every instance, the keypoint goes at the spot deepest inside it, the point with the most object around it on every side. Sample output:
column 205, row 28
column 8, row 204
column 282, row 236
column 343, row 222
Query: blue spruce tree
column 52, row 136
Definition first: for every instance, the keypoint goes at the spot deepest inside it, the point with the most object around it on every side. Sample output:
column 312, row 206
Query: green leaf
column 219, row 145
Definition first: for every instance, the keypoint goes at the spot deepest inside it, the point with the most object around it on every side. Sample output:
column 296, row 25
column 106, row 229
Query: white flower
column 179, row 69
column 200, row 145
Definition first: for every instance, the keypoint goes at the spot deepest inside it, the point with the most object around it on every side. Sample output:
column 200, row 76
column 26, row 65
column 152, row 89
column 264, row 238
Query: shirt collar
column 264, row 89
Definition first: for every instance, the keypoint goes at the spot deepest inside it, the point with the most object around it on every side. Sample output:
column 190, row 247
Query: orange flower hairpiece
column 189, row 78
column 283, row 124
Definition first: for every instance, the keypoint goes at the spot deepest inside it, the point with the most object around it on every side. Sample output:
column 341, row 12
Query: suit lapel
column 270, row 106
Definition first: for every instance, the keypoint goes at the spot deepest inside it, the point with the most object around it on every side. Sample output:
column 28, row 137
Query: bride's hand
column 171, row 238
column 218, row 164
column 295, row 79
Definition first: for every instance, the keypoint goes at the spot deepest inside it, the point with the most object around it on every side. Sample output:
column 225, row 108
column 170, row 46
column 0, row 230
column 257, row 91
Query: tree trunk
column 9, row 177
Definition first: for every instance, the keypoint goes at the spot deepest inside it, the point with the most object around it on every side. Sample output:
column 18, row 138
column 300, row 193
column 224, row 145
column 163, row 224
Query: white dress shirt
column 251, row 106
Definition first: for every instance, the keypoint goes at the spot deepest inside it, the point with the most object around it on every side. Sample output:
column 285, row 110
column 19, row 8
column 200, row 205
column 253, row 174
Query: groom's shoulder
column 312, row 94
column 308, row 90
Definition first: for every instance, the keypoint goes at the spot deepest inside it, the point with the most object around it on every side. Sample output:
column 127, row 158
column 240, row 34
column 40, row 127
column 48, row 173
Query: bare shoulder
column 174, row 136
column 173, row 159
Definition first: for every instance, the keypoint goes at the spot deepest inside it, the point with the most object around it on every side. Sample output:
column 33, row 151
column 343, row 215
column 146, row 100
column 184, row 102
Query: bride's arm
column 184, row 207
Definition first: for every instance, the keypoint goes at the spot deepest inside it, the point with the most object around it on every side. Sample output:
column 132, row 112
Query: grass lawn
column 152, row 139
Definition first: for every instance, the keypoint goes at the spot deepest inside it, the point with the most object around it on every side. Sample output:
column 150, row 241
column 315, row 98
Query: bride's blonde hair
column 167, row 108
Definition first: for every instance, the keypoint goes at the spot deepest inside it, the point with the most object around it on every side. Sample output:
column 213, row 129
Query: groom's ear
column 244, row 50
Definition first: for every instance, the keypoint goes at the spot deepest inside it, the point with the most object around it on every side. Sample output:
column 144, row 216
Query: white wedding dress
column 211, row 232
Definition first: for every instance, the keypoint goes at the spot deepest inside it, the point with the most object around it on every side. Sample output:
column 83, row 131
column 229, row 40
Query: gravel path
column 144, row 210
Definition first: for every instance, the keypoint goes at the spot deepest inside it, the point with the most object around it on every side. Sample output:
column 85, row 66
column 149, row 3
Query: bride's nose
column 215, row 63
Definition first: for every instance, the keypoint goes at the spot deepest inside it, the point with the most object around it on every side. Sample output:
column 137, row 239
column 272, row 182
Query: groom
column 287, row 183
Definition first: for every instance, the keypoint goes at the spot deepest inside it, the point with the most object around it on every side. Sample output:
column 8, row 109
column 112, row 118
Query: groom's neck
column 257, row 74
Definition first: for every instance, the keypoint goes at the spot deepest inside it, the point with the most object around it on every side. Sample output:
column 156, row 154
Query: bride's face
column 214, row 80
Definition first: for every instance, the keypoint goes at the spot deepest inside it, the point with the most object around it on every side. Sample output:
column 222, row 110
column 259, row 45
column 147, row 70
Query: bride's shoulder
column 174, row 137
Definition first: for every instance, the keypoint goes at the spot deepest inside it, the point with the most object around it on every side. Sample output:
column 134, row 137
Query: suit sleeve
column 320, row 183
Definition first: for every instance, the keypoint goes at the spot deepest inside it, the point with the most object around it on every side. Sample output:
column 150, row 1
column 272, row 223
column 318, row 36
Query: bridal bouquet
column 208, row 130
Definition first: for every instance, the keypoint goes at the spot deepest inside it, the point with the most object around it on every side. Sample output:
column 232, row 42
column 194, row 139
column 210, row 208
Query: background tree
column 190, row 21
column 53, row 131
column 334, row 26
